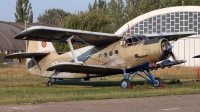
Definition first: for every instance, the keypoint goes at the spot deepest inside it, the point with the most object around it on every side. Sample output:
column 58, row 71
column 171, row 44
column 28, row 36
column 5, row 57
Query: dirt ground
column 178, row 103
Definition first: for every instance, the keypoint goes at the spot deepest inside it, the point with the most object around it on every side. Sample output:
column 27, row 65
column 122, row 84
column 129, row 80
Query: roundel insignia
column 44, row 44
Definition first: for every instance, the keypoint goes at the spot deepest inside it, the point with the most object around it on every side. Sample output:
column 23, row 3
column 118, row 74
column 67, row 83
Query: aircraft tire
column 125, row 83
column 159, row 84
column 169, row 66
column 49, row 83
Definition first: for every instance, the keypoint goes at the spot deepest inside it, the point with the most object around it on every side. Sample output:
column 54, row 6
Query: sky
column 7, row 7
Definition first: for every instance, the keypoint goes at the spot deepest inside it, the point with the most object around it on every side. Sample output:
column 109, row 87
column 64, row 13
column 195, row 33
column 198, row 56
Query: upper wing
column 49, row 34
column 172, row 36
column 82, row 68
column 24, row 55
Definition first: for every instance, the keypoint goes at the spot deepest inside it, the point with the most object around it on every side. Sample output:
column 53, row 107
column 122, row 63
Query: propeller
column 172, row 54
column 167, row 50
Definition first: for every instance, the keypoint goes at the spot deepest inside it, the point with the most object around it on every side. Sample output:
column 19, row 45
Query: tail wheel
column 158, row 83
column 125, row 83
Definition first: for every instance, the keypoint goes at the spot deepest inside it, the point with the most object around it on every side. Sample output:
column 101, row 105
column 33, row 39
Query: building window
column 177, row 20
column 170, row 22
column 150, row 21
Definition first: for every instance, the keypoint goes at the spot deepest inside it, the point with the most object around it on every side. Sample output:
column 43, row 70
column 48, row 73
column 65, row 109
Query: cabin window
column 111, row 53
column 116, row 51
column 100, row 56
column 105, row 54
column 145, row 38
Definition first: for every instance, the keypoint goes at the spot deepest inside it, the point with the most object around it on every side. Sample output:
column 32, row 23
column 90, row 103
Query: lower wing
column 82, row 68
column 99, row 69
column 168, row 63
column 25, row 55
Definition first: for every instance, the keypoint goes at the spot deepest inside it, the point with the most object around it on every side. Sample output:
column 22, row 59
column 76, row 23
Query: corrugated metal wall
column 186, row 49
column 8, row 31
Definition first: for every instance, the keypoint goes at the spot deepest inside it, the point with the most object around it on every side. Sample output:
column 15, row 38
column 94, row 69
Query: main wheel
column 49, row 83
column 158, row 83
column 125, row 83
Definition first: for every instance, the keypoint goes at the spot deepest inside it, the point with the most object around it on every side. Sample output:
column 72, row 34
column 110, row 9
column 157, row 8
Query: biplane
column 105, row 54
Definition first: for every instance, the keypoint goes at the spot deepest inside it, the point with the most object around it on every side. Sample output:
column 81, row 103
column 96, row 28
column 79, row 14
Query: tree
column 170, row 3
column 144, row 6
column 94, row 20
column 116, row 10
column 52, row 17
column 130, row 10
column 23, row 11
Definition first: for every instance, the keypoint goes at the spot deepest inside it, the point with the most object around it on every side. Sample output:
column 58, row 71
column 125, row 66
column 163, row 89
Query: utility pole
column 182, row 2
column 23, row 6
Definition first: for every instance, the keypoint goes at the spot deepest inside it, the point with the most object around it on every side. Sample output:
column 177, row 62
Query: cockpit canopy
column 129, row 40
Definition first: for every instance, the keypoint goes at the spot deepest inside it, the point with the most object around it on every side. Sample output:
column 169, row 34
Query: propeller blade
column 172, row 54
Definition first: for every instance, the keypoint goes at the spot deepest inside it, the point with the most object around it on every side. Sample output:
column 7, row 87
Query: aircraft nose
column 165, row 46
column 167, row 50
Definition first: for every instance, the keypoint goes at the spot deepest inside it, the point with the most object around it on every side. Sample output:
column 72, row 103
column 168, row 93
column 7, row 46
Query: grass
column 17, row 86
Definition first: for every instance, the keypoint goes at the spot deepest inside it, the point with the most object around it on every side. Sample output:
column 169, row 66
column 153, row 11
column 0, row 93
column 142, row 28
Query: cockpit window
column 135, row 39
column 145, row 38
column 130, row 40
column 140, row 38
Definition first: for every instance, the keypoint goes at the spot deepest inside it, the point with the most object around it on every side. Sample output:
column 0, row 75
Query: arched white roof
column 155, row 13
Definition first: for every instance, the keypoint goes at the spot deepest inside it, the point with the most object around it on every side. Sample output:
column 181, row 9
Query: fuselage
column 126, row 53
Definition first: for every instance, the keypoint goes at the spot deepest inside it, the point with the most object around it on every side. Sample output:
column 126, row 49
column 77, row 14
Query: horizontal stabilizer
column 24, row 55
column 168, row 63
column 82, row 68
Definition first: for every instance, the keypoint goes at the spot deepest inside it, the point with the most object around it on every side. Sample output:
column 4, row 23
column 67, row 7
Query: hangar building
column 8, row 45
column 169, row 20
column 8, row 31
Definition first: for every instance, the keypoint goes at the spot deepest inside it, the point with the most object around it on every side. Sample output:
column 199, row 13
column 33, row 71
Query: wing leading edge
column 172, row 36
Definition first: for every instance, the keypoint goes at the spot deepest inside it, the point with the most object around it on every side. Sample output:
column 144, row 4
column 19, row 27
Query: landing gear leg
column 157, row 82
column 49, row 82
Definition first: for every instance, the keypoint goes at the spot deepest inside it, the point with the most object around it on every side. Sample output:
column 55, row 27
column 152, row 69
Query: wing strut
column 33, row 58
column 72, row 49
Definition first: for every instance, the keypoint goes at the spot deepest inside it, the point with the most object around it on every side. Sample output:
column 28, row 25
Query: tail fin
column 40, row 46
